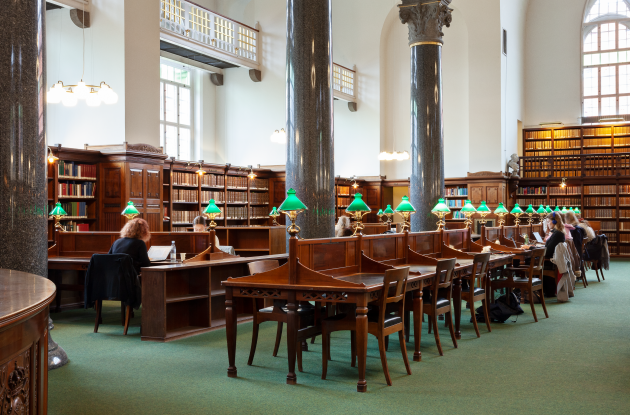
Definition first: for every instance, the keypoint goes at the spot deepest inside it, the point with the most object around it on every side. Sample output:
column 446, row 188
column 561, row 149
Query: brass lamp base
column 58, row 225
column 275, row 220
column 358, row 225
column 131, row 216
column 441, row 223
column 501, row 218
column 468, row 222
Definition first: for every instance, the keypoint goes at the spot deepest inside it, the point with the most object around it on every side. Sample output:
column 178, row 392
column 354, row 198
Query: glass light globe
column 69, row 99
column 55, row 94
column 107, row 95
column 81, row 91
column 282, row 136
column 274, row 137
column 93, row 100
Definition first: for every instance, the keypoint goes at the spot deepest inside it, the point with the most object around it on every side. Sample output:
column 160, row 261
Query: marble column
column 23, row 195
column 425, row 20
column 310, row 156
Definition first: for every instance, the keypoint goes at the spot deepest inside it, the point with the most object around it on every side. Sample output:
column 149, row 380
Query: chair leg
column 381, row 349
column 531, row 303
column 436, row 334
column 430, row 324
column 127, row 318
column 98, row 304
column 407, row 324
column 542, row 301
column 278, row 339
column 386, row 343
column 474, row 317
column 602, row 271
column 353, row 347
column 252, row 349
column 403, row 349
column 451, row 328
column 122, row 314
column 484, row 304
column 597, row 273
column 584, row 280
column 325, row 340
column 299, row 356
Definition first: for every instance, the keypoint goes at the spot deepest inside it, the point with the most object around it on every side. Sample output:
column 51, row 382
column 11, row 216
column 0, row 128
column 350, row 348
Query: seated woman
column 568, row 227
column 590, row 232
column 342, row 226
column 556, row 223
column 133, row 238
column 199, row 225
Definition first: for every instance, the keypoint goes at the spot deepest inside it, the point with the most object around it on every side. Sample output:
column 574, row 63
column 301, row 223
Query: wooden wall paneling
column 111, row 182
column 476, row 194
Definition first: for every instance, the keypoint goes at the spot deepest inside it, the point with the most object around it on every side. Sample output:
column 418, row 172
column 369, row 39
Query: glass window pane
column 623, row 56
column 624, row 79
column 624, row 105
column 184, row 106
column 170, row 144
column 608, row 36
column 161, row 135
column 590, row 82
column 609, row 106
column 171, row 103
column 604, row 7
column 624, row 36
column 591, row 107
column 161, row 101
column 184, row 144
column 609, row 81
column 590, row 43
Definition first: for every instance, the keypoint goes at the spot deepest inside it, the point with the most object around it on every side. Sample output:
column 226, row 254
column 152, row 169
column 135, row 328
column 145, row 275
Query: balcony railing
column 230, row 40
column 578, row 166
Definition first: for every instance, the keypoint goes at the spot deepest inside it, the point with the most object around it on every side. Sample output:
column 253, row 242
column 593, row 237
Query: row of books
column 600, row 189
column 624, row 226
column 343, row 190
column 597, row 131
column 343, row 202
column 597, row 142
column 568, row 190
column 623, row 250
column 523, row 203
column 566, row 133
column 537, row 135
column 565, row 202
column 624, row 237
column 538, row 190
column 206, row 195
column 456, row 191
column 612, row 238
column 72, row 189
column 622, row 130
column 258, row 212
column 538, row 145
column 567, row 173
column 534, row 153
column 619, row 150
column 456, row 203
column 185, row 216
column 236, row 212
column 567, row 144
column 624, row 188
column 622, row 141
column 213, row 180
column 624, row 213
column 237, row 181
column 259, row 198
column 72, row 169
column 600, row 213
column 597, row 150
column 72, row 226
column 179, row 229
column 600, row 201
column 75, row 210
column 181, row 178
column 609, row 226
column 565, row 152
column 184, row 195
column 259, row 184
column 458, row 215
column 236, row 197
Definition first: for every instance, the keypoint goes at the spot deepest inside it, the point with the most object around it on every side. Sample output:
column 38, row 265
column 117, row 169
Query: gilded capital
column 425, row 19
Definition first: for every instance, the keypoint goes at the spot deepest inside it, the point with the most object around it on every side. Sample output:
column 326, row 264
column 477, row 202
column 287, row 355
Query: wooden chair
column 381, row 323
column 475, row 292
column 440, row 300
column 125, row 311
column 278, row 313
column 526, row 281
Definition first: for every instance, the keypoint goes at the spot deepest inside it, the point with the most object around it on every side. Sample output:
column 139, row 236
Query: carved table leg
column 292, row 328
column 362, row 335
column 417, row 322
column 230, row 331
column 457, row 305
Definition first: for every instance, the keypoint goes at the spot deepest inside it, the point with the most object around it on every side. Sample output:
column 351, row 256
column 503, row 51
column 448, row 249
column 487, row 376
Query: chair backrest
column 262, row 266
column 443, row 275
column 111, row 276
column 537, row 262
column 398, row 278
column 480, row 265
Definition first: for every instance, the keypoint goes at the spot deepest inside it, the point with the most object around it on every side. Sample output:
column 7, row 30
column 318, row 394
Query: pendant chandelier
column 398, row 156
column 93, row 94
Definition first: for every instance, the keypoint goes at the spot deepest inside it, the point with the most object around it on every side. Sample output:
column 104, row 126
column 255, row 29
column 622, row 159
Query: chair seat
column 535, row 281
column 301, row 310
column 441, row 302
column 390, row 319
column 478, row 291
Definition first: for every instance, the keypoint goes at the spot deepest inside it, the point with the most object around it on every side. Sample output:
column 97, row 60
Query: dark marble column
column 425, row 20
column 310, row 156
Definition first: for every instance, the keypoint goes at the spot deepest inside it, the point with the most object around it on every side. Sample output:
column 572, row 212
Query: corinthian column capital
column 425, row 20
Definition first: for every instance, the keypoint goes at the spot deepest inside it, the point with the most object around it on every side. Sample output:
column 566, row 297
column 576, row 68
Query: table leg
column 457, row 305
column 230, row 331
column 362, row 335
column 292, row 327
column 417, row 323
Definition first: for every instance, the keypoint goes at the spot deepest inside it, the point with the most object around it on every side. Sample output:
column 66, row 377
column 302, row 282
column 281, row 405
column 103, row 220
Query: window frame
column 178, row 125
column 585, row 30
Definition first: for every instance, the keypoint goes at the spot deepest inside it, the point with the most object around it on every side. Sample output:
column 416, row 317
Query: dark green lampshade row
column 530, row 210
column 130, row 209
column 564, row 209
column 358, row 205
column 557, row 209
column 468, row 207
column 380, row 212
column 483, row 208
column 292, row 203
column 571, row 210
column 577, row 211
column 405, row 206
column 388, row 210
column 212, row 207
column 501, row 209
column 517, row 209
column 441, row 207
column 541, row 210
column 548, row 209
column 58, row 211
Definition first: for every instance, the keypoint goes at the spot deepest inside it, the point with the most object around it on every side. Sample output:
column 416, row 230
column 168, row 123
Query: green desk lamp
column 468, row 210
column 130, row 211
column 501, row 211
column 274, row 215
column 530, row 212
column 483, row 210
column 517, row 212
column 541, row 213
column 292, row 207
column 212, row 211
column 58, row 213
column 389, row 212
column 440, row 210
column 405, row 209
column 357, row 210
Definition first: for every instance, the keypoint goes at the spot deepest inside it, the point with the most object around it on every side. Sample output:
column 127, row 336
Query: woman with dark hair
column 555, row 222
column 133, row 238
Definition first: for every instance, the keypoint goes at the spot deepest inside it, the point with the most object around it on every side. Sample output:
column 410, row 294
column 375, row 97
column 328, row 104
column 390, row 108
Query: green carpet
column 575, row 362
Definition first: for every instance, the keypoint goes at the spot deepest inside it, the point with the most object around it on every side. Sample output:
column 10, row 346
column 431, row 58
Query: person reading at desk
column 133, row 238
column 199, row 225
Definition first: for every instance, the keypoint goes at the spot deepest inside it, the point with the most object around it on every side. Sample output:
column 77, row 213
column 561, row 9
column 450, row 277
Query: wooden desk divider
column 212, row 252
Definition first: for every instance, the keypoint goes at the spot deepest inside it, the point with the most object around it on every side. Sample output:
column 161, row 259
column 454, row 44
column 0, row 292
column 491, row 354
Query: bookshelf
column 595, row 161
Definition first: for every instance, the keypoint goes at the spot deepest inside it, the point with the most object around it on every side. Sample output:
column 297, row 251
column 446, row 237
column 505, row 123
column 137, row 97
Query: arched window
column 606, row 58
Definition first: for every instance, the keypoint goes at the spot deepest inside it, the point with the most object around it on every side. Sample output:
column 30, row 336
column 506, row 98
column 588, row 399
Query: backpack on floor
column 501, row 310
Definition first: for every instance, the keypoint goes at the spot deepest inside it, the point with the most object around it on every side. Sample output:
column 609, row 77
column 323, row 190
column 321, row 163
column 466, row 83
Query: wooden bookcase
column 455, row 195
column 594, row 160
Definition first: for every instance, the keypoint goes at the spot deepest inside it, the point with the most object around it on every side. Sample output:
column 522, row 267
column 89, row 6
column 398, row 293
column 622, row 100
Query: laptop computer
column 159, row 253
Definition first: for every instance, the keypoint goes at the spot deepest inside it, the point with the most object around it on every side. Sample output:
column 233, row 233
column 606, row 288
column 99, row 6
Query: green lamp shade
column 530, row 210
column 564, row 210
column 557, row 209
column 358, row 205
column 273, row 212
column 292, row 203
column 517, row 209
column 468, row 207
column 58, row 211
column 541, row 210
column 130, row 210
column 483, row 208
column 548, row 209
column 571, row 210
column 380, row 212
column 501, row 209
column 405, row 206
column 440, row 207
column 388, row 210
column 212, row 207
column 577, row 211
